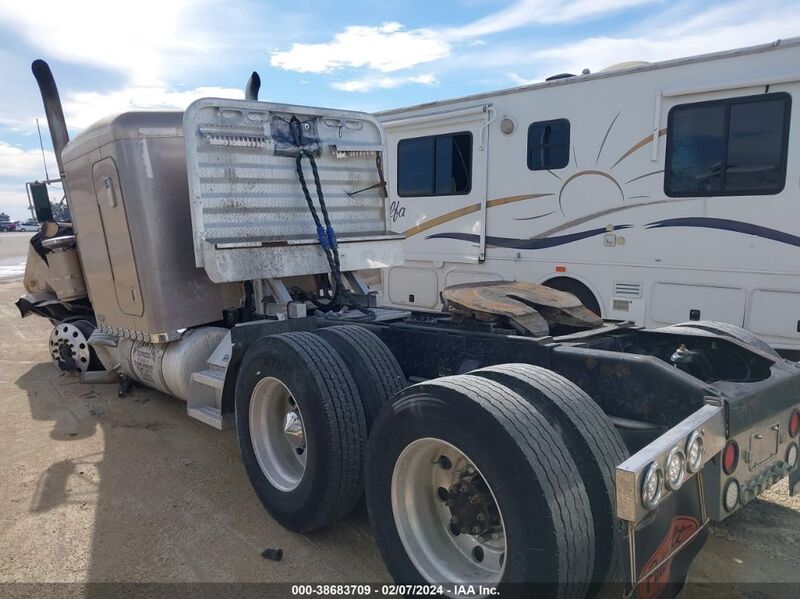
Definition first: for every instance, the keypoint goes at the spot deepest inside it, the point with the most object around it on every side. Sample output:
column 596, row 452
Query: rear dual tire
column 529, row 475
column 374, row 368
column 305, row 368
column 594, row 444
column 544, row 507
column 304, row 405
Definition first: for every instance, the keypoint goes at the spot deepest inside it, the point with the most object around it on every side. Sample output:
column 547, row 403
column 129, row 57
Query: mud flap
column 666, row 544
column 52, row 308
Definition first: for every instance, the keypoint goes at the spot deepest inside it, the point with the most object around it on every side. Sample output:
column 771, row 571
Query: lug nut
column 481, row 517
column 476, row 529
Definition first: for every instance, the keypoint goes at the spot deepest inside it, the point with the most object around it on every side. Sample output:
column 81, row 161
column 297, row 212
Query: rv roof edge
column 780, row 43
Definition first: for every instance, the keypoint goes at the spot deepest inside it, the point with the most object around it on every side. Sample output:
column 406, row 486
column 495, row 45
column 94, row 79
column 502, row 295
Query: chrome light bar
column 643, row 480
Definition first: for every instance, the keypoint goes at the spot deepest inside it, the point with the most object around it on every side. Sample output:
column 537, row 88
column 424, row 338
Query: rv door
column 437, row 183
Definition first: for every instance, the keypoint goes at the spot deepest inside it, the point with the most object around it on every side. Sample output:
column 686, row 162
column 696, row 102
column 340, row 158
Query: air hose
column 325, row 233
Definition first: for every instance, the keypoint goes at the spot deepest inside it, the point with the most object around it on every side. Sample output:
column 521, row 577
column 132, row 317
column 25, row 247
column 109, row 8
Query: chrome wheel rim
column 278, row 434
column 67, row 342
column 434, row 482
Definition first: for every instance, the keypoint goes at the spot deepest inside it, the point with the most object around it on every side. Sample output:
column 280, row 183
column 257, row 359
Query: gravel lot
column 96, row 488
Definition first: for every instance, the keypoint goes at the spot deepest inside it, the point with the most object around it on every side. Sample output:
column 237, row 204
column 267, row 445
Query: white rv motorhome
column 656, row 193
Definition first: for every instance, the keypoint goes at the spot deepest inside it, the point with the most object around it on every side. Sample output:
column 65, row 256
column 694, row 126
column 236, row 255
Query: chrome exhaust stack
column 52, row 108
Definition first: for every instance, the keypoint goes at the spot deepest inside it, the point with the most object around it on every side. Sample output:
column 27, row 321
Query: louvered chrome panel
column 249, row 215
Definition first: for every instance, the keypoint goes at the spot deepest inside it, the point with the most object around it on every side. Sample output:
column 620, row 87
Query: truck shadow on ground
column 170, row 498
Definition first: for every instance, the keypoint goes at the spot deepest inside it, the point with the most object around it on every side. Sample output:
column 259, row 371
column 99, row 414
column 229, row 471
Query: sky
column 110, row 56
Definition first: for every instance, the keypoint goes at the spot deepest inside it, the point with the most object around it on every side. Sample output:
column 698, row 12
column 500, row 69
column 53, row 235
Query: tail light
column 794, row 423
column 730, row 495
column 730, row 457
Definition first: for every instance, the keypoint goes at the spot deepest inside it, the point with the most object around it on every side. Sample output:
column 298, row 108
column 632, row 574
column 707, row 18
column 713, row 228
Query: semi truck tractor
column 513, row 442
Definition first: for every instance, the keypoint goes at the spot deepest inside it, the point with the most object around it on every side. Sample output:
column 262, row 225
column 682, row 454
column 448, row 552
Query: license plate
column 763, row 445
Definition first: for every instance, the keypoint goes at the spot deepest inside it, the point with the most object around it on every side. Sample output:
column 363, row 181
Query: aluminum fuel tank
column 128, row 195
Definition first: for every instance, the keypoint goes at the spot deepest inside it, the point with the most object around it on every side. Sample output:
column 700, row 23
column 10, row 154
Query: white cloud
column 136, row 38
column 385, row 48
column 517, row 80
column 369, row 83
column 25, row 164
column 81, row 109
column 527, row 12
column 12, row 199
column 680, row 30
column 389, row 47
column 683, row 39
column 14, row 202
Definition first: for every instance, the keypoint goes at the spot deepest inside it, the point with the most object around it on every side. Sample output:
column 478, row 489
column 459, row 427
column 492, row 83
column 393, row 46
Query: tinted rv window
column 728, row 147
column 435, row 165
column 548, row 145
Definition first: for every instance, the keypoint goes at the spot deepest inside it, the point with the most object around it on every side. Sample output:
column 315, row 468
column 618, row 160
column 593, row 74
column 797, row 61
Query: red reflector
column 730, row 457
column 561, row 269
column 794, row 423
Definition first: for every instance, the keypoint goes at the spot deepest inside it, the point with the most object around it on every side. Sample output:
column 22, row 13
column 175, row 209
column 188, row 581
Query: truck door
column 437, row 183
column 117, row 237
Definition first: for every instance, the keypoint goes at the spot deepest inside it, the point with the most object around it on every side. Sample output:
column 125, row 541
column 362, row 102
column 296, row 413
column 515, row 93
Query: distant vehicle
column 28, row 225
column 9, row 226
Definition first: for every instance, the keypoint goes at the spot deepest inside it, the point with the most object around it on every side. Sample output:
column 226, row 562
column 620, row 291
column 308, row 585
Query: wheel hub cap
column 69, row 348
column 277, row 434
column 446, row 515
column 472, row 508
column 293, row 429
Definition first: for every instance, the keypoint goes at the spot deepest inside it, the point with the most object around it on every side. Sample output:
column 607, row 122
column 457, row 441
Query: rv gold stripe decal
column 638, row 146
column 444, row 218
column 448, row 216
column 512, row 199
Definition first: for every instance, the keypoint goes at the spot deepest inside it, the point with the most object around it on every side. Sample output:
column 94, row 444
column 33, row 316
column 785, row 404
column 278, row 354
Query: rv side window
column 435, row 165
column 548, row 145
column 728, row 147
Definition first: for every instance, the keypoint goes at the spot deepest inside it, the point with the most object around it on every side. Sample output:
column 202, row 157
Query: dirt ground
column 96, row 488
